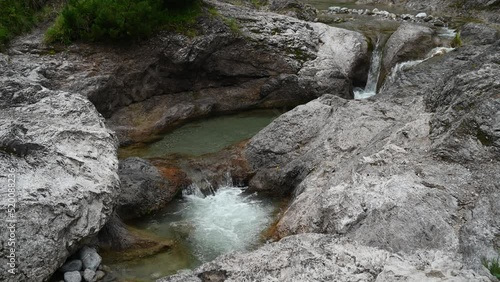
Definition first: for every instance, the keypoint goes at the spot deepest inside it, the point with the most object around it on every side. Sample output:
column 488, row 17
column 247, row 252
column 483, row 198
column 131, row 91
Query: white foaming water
column 446, row 32
column 398, row 68
column 227, row 220
column 373, row 73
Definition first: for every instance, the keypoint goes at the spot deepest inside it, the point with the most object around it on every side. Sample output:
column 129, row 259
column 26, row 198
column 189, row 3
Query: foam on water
column 227, row 220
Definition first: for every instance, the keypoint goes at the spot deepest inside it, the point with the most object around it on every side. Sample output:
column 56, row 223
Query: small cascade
column 374, row 71
column 403, row 66
column 226, row 220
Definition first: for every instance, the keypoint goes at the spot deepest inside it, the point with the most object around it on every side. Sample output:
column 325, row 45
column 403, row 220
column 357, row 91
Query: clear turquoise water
column 206, row 136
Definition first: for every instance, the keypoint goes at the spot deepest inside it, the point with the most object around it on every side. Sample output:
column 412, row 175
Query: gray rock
column 315, row 257
column 334, row 9
column 72, row 265
column 281, row 61
column 88, row 275
column 294, row 8
column 415, row 168
column 65, row 163
column 478, row 34
column 90, row 258
column 143, row 189
column 73, row 276
column 99, row 275
column 408, row 42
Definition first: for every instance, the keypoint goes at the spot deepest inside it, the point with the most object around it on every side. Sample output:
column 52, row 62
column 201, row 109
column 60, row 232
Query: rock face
column 408, row 42
column 415, row 168
column 294, row 8
column 64, row 163
column 478, row 34
column 269, row 61
column 143, row 189
column 315, row 257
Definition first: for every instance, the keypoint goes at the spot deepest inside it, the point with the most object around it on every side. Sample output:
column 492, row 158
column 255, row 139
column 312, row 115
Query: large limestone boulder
column 317, row 257
column 415, row 168
column 63, row 162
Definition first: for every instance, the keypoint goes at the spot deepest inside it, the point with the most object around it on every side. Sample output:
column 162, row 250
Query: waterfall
column 374, row 71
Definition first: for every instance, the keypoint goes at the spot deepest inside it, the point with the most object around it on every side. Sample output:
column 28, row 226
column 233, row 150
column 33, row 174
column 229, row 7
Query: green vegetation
column 17, row 17
column 493, row 266
column 122, row 20
column 457, row 41
column 232, row 24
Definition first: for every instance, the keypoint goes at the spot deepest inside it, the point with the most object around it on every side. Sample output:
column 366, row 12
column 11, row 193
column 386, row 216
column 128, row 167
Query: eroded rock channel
column 240, row 154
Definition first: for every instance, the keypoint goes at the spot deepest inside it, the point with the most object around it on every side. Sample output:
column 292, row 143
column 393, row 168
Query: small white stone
column 421, row 15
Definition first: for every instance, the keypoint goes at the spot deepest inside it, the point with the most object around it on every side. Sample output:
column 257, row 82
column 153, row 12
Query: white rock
column 421, row 15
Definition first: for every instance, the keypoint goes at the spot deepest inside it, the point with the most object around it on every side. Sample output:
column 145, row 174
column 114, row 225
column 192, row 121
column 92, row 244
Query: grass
column 493, row 266
column 457, row 41
column 232, row 24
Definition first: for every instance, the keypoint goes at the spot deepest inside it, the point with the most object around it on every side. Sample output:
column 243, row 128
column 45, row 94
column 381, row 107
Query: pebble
column 88, row 275
column 421, row 15
column 72, row 276
column 99, row 275
column 90, row 258
column 72, row 265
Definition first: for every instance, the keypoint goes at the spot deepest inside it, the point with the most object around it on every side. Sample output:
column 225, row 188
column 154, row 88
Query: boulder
column 143, row 189
column 63, row 160
column 408, row 42
column 317, row 257
column 414, row 168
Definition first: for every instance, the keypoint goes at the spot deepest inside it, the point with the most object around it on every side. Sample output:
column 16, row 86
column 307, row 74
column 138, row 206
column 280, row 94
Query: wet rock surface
column 408, row 42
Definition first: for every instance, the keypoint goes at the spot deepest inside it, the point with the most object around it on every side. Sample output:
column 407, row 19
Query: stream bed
column 202, row 226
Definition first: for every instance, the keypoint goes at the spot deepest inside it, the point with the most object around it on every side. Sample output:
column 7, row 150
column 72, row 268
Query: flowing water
column 403, row 66
column 203, row 227
column 374, row 71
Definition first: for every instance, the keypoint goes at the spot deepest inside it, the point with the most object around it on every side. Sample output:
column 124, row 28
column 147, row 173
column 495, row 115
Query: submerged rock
column 63, row 159
column 316, row 257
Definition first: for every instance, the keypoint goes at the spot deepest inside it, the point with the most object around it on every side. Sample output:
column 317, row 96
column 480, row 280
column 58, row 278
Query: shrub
column 119, row 20
column 15, row 17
